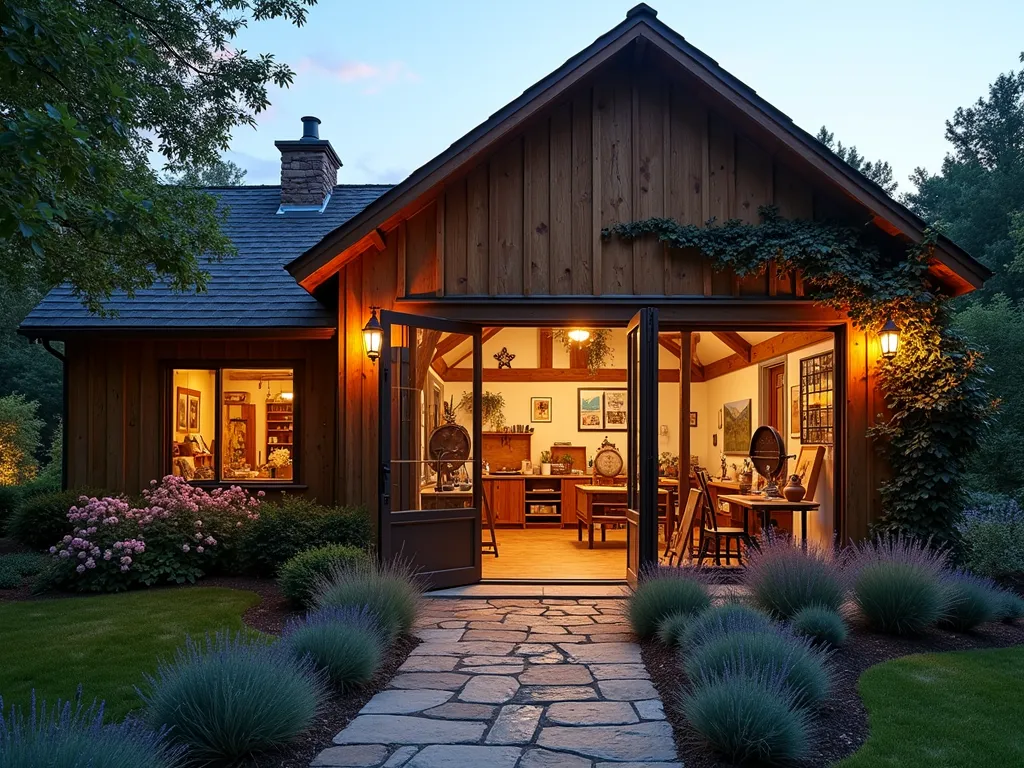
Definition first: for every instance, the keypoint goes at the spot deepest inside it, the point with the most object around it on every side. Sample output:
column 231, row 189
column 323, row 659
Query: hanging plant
column 938, row 411
column 599, row 352
column 492, row 407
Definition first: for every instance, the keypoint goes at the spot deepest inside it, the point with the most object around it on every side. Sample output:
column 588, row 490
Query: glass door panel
column 642, row 442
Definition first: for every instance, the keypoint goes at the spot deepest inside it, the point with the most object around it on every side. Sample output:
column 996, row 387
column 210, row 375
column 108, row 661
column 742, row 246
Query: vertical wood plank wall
column 119, row 413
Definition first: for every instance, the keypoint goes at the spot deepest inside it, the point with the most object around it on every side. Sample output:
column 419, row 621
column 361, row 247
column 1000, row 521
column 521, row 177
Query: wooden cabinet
column 569, row 497
column 508, row 501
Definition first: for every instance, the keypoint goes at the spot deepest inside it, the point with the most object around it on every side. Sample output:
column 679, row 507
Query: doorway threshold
column 536, row 589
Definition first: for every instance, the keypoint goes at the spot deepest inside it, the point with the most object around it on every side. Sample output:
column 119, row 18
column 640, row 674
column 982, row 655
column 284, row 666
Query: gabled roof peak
column 641, row 9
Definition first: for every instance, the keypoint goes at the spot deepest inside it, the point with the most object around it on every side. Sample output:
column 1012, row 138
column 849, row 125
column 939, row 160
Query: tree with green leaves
column 223, row 173
column 89, row 89
column 20, row 431
column 977, row 198
column 878, row 171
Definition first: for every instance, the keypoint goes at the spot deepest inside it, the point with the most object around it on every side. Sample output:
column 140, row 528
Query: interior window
column 258, row 424
column 193, row 423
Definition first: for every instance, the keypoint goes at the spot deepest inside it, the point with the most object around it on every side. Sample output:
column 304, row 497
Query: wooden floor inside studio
column 554, row 553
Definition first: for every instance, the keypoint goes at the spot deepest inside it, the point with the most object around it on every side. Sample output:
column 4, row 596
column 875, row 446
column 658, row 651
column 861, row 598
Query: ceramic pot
column 795, row 491
column 545, row 469
column 745, row 479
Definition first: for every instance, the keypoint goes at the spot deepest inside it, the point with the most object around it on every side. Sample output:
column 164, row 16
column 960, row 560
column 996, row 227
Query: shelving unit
column 543, row 503
column 281, row 426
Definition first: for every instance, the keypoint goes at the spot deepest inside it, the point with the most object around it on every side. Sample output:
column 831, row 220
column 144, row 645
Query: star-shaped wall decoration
column 504, row 358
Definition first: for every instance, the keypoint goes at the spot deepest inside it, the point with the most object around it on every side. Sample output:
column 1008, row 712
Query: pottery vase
column 795, row 491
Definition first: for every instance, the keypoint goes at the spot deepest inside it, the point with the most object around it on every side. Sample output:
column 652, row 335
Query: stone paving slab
column 514, row 682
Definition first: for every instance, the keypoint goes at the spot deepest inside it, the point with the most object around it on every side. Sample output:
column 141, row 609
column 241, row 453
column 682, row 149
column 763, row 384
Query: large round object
column 608, row 462
column 450, row 444
column 768, row 452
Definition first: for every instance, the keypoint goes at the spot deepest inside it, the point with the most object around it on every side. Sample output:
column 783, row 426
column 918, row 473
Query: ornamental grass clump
column 672, row 628
column 802, row 667
column 749, row 715
column 725, row 619
column 345, row 643
column 897, row 584
column 665, row 591
column 74, row 736
column 970, row 600
column 232, row 695
column 822, row 626
column 1009, row 606
column 782, row 577
column 391, row 591
column 299, row 575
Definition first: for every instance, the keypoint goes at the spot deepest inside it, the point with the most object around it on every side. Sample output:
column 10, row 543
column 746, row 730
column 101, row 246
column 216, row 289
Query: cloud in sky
column 372, row 78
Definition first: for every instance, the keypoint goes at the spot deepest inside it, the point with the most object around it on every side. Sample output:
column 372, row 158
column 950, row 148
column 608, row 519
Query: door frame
column 387, row 518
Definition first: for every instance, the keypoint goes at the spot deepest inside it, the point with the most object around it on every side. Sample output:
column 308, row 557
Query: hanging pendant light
column 579, row 335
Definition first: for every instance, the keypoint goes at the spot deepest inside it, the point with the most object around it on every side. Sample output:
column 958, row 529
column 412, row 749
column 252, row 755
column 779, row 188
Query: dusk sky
column 396, row 82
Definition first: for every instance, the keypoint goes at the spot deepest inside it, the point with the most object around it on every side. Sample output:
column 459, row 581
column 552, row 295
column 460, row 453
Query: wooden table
column 764, row 508
column 601, row 504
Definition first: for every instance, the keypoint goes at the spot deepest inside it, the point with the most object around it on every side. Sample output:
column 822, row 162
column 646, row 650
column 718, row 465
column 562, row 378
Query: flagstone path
column 514, row 683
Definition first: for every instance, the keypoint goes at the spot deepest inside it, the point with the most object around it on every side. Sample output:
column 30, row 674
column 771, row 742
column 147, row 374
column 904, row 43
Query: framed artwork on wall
column 693, row 418
column 193, row 412
column 737, row 426
column 590, row 410
column 235, row 398
column 615, row 410
column 794, row 411
column 186, row 413
column 540, row 410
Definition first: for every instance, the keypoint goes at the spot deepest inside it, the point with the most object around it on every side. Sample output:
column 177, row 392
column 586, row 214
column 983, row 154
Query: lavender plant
column 231, row 695
column 725, row 619
column 970, row 600
column 782, row 577
column 665, row 591
column 71, row 735
column 822, row 626
column 992, row 530
column 345, row 643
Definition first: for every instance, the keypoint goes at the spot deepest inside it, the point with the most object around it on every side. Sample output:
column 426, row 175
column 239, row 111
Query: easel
column 489, row 547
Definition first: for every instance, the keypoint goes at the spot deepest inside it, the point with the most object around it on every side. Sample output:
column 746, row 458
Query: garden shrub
column 180, row 533
column 10, row 497
column 1009, row 606
column 295, row 525
column 390, row 591
column 664, row 591
column 300, row 574
column 672, row 628
column 67, row 736
column 969, row 600
column 897, row 584
column 749, row 716
column 992, row 530
column 802, row 668
column 725, row 619
column 820, row 625
column 345, row 643
column 231, row 695
column 40, row 519
column 15, row 567
column 782, row 578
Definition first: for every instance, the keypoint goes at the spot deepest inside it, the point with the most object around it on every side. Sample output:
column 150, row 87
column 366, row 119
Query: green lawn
column 105, row 643
column 944, row 710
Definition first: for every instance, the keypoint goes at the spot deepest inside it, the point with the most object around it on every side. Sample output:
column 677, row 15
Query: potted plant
column 668, row 464
column 492, row 405
column 545, row 462
column 567, row 462
column 278, row 459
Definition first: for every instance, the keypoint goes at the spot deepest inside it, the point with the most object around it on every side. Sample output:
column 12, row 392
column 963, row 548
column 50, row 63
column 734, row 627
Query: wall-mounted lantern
column 373, row 336
column 579, row 335
column 889, row 337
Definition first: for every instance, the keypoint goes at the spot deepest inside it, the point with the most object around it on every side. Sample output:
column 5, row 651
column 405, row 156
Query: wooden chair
column 681, row 546
column 604, row 481
column 710, row 531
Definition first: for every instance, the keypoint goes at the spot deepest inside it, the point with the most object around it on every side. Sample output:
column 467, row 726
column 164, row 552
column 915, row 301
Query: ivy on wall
column 938, row 410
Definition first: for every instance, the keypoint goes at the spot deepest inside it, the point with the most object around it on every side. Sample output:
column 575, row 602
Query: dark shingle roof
column 248, row 290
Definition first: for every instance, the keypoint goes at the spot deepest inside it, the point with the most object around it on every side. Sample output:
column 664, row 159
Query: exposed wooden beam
column 582, row 375
column 484, row 337
column 376, row 237
column 782, row 344
column 669, row 343
column 547, row 351
column 735, row 342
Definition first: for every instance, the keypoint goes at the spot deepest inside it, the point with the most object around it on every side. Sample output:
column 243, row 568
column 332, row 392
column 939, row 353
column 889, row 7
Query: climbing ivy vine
column 934, row 390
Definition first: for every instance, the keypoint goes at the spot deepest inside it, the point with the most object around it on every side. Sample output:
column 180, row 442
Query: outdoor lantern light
column 889, row 337
column 579, row 335
column 373, row 336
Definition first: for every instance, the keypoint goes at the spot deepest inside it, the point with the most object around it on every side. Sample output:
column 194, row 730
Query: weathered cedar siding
column 526, row 220
column 118, row 417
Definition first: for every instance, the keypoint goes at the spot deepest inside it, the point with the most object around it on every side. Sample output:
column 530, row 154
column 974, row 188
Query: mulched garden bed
column 842, row 721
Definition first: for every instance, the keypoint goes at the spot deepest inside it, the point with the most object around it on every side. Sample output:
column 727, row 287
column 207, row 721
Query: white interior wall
column 204, row 382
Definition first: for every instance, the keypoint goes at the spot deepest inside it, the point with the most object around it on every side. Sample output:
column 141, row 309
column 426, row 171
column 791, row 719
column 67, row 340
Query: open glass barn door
column 642, row 441
column 430, row 471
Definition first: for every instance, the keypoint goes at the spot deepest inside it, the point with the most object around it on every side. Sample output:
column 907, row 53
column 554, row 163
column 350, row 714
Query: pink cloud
column 373, row 77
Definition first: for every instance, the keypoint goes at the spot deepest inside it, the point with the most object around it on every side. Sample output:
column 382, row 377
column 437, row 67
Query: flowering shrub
column 180, row 533
column 992, row 528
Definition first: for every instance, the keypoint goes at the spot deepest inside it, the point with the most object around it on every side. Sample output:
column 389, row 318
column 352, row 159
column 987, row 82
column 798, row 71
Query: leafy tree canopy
column 19, row 439
column 878, row 171
column 223, row 173
column 977, row 198
column 89, row 89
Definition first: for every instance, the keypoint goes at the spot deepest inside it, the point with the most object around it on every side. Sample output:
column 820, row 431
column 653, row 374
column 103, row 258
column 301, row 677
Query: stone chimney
column 309, row 169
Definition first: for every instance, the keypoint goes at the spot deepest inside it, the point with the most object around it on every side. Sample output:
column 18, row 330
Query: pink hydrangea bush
column 178, row 534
